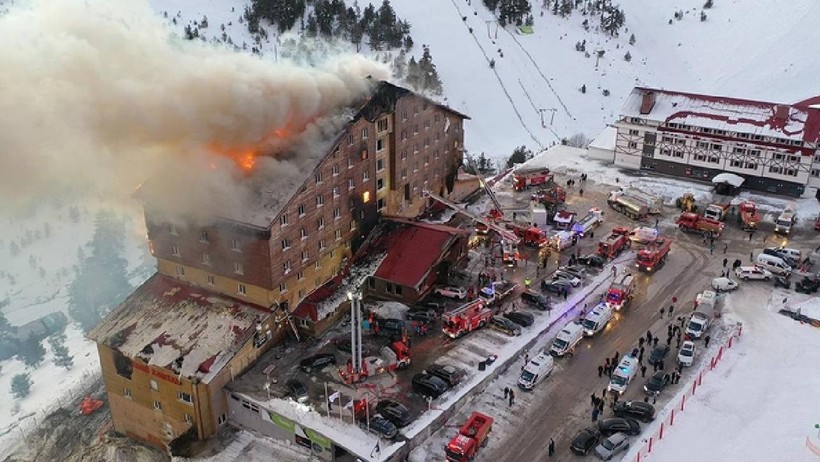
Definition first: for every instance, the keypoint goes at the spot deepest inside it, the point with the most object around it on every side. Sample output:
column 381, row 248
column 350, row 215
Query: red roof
column 412, row 250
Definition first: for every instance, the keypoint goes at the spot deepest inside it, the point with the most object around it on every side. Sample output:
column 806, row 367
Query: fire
column 245, row 157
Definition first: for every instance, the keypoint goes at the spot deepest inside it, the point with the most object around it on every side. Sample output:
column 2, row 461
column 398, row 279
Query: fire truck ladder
column 500, row 230
column 486, row 187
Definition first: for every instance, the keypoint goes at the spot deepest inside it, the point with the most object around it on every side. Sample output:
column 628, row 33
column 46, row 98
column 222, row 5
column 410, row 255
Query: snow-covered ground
column 759, row 404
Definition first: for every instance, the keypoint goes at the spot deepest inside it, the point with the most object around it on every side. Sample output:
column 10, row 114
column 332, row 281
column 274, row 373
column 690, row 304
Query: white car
column 566, row 276
column 752, row 272
column 724, row 284
column 452, row 292
column 686, row 355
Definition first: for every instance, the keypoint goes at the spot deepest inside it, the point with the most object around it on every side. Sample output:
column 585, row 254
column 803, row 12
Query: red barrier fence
column 697, row 380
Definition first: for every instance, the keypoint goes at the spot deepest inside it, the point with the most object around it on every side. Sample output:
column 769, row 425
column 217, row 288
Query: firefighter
column 527, row 282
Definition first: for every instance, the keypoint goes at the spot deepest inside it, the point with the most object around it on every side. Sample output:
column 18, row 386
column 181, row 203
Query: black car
column 450, row 374
column 656, row 383
column 382, row 427
column 317, row 362
column 297, row 390
column 533, row 298
column 615, row 425
column 658, row 353
column 807, row 285
column 344, row 344
column 585, row 440
column 556, row 287
column 775, row 252
column 644, row 412
column 504, row 325
column 784, row 282
column 394, row 411
column 438, row 307
column 429, row 385
column 391, row 326
column 521, row 318
column 423, row 315
column 592, row 260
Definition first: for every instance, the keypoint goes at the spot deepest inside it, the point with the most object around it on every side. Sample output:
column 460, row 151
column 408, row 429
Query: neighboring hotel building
column 219, row 298
column 774, row 147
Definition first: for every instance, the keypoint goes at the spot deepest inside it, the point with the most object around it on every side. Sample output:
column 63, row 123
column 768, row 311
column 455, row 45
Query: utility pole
column 552, row 116
column 488, row 22
column 598, row 54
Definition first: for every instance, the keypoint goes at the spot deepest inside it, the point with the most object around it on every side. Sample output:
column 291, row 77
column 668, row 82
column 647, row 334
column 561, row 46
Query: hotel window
column 678, row 154
column 335, row 169
column 426, row 160
column 702, row 145
column 403, row 154
column 379, row 165
column 211, row 279
column 235, row 245
column 714, row 159
column 283, row 220
column 364, row 133
column 222, row 419
column 242, row 289
column 175, row 250
column 238, row 268
column 153, row 383
column 404, row 114
column 352, row 226
column 427, row 124
column 415, row 128
column 667, row 139
column 188, row 418
column 299, row 276
column 320, row 200
column 365, row 175
column 379, row 144
column 382, row 125
column 364, row 154
column 426, row 142
column 338, row 234
column 320, row 223
column 322, row 245
column 717, row 147
column 173, row 230
column 404, row 173
column 303, row 234
column 634, row 132
column 301, row 210
column 336, row 153
column 774, row 170
column 126, row 392
column 435, row 154
column 305, row 255
column 286, row 267
column 301, row 293
column 350, row 184
column 736, row 164
column 415, row 167
column 184, row 397
column 285, row 244
column 349, row 140
column 415, row 148
column 206, row 259
column 318, row 177
column 337, row 213
column 283, row 287
column 815, row 172
column 380, row 204
column 632, row 145
column 203, row 237
column 349, row 163
column 751, row 166
column 380, row 184
column 157, row 406
column 180, row 271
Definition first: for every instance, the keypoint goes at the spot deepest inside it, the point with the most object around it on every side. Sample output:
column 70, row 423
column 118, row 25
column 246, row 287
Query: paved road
column 561, row 406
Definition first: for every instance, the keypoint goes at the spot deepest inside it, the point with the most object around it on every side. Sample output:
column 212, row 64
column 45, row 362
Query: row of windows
column 205, row 238
column 747, row 136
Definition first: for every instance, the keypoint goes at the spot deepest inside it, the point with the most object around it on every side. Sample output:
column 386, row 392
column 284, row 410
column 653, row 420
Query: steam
column 96, row 96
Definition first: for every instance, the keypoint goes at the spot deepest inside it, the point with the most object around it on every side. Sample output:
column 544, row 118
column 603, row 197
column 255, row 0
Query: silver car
column 612, row 446
column 566, row 276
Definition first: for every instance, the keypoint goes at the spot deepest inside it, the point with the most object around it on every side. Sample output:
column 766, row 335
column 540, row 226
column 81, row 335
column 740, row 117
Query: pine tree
column 61, row 356
column 519, row 156
column 632, row 39
column 430, row 80
column 708, row 4
column 21, row 385
column 612, row 19
column 400, row 64
column 566, row 8
column 311, row 28
column 627, row 57
column 31, row 351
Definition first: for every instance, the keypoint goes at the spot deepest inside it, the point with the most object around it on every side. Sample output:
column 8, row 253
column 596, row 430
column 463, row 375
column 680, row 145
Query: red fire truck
column 616, row 242
column 654, row 255
column 466, row 318
column 532, row 235
column 471, row 436
column 525, row 179
column 697, row 223
column 621, row 291
column 748, row 216
column 553, row 196
column 395, row 356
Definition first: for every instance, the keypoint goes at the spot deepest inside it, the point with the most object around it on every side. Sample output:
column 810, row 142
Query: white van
column 569, row 336
column 597, row 319
column 536, row 370
column 774, row 264
column 563, row 239
column 623, row 374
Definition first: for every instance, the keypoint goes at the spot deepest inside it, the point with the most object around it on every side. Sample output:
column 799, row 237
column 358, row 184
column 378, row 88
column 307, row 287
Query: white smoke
column 97, row 96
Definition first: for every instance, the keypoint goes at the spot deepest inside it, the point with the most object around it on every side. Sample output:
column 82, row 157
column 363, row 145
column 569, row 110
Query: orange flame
column 245, row 157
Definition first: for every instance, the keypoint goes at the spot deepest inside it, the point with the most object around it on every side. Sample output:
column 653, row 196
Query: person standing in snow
column 706, row 341
column 643, row 371
column 551, row 448
column 595, row 414
column 512, row 397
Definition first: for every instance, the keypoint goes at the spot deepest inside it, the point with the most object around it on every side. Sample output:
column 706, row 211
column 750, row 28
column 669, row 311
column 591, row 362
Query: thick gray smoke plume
column 98, row 96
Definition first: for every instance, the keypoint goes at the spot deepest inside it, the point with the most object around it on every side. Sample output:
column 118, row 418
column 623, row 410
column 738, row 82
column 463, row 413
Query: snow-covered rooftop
column 547, row 157
column 793, row 122
column 605, row 140
column 164, row 321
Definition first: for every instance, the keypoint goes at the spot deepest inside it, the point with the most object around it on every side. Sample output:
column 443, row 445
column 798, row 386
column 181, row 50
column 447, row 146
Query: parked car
column 779, row 252
column 611, row 446
column 644, row 412
column 297, row 390
column 724, row 284
column 686, row 355
column 504, row 325
column 394, row 411
column 752, row 272
column 429, row 385
column 566, row 276
column 450, row 374
column 522, row 318
column 576, row 270
column 344, row 344
column 592, row 260
column 438, row 307
column 656, row 383
column 614, row 425
column 658, row 353
column 422, row 314
column 556, row 287
column 382, row 427
column 784, row 282
column 451, row 292
column 391, row 326
column 807, row 285
column 316, row 362
column 585, row 440
column 539, row 301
